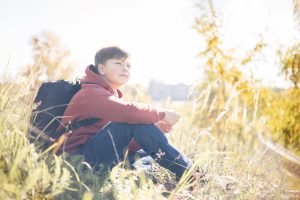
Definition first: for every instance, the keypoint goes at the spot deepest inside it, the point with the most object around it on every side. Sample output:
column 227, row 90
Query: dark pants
column 108, row 145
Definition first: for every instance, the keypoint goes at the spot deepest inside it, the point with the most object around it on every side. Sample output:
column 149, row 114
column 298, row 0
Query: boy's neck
column 113, row 87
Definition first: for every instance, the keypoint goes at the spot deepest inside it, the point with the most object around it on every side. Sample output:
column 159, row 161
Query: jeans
column 107, row 146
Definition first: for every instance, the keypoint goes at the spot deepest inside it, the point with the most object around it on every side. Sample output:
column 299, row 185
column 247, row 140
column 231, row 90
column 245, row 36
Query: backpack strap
column 73, row 126
column 76, row 125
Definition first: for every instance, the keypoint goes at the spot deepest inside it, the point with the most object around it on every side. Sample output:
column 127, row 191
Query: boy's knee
column 148, row 128
column 152, row 133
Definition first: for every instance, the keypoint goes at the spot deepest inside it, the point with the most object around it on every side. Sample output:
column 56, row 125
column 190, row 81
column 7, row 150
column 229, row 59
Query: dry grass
column 24, row 173
column 235, row 168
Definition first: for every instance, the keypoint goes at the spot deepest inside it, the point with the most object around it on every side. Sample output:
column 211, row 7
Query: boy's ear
column 101, row 69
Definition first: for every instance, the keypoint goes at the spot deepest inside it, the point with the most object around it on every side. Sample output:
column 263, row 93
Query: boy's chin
column 121, row 83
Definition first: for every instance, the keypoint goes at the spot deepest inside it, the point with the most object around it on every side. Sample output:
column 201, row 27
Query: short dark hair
column 107, row 53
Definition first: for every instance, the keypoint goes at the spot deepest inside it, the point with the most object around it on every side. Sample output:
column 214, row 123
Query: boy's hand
column 163, row 126
column 171, row 117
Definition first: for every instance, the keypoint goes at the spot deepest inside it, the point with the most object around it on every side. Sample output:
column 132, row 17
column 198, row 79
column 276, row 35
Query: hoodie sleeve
column 109, row 107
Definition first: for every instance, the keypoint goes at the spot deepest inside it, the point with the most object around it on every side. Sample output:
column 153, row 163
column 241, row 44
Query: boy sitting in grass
column 123, row 124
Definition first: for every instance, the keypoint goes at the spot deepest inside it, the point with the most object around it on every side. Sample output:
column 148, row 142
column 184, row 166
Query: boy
column 122, row 124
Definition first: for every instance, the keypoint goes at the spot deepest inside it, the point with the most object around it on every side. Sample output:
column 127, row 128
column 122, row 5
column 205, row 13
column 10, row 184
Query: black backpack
column 51, row 100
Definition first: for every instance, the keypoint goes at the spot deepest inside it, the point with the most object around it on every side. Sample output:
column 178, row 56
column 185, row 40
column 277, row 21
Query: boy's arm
column 114, row 109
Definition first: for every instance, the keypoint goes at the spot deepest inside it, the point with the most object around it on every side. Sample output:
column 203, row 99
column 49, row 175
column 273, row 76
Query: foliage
column 220, row 62
column 238, row 114
column 235, row 171
column 50, row 59
column 282, row 112
column 290, row 62
column 227, row 160
column 24, row 173
column 225, row 86
column 85, row 180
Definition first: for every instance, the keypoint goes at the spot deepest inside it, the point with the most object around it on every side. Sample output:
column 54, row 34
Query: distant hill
column 159, row 91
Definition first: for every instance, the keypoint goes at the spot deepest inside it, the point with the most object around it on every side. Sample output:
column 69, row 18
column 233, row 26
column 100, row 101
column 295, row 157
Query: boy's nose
column 125, row 68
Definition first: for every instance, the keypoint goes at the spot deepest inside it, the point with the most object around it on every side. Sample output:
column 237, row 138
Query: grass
column 25, row 173
column 236, row 165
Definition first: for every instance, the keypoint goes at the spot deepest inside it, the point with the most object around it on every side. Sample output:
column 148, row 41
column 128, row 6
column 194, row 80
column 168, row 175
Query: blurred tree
column 220, row 62
column 281, row 109
column 224, row 78
column 227, row 99
column 49, row 59
column 283, row 106
column 291, row 64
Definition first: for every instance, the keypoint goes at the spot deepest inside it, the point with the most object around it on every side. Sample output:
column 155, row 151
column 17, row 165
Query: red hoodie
column 98, row 100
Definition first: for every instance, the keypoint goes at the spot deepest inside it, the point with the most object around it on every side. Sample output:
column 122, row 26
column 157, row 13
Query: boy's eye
column 120, row 63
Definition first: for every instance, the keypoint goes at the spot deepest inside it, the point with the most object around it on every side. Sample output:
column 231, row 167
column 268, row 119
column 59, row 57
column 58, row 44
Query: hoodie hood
column 92, row 77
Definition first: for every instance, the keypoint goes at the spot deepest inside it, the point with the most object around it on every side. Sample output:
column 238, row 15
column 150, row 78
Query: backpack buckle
column 73, row 126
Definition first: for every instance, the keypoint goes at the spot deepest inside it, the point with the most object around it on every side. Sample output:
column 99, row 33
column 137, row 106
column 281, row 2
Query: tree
column 222, row 68
column 291, row 64
column 49, row 59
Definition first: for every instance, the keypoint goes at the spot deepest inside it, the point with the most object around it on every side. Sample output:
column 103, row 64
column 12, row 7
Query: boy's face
column 115, row 71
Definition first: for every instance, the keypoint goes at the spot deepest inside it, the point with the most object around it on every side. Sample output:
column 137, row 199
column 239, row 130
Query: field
column 236, row 165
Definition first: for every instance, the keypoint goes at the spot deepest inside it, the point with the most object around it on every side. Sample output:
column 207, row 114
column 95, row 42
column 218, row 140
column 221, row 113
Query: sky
column 158, row 34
